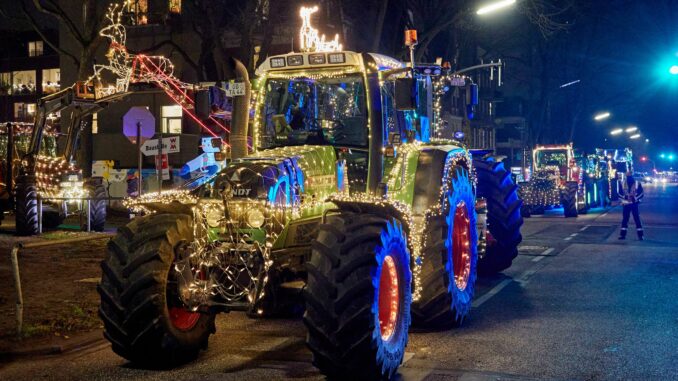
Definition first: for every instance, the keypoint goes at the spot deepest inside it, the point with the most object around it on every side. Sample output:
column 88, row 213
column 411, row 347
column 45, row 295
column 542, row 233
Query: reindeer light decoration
column 310, row 40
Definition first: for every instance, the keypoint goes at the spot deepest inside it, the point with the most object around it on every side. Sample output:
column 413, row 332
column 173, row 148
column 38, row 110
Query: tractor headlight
column 214, row 216
column 255, row 218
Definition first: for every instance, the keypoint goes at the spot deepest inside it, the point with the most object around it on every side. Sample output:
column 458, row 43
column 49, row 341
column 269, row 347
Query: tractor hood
column 281, row 175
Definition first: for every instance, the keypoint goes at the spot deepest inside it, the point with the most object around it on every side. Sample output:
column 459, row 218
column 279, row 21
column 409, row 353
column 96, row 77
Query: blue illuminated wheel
column 447, row 276
column 358, row 296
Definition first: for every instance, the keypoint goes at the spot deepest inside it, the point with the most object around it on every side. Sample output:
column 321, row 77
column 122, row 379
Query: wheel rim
column 461, row 251
column 389, row 301
column 183, row 319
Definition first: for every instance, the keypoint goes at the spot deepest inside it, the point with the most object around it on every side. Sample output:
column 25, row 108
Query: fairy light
column 309, row 37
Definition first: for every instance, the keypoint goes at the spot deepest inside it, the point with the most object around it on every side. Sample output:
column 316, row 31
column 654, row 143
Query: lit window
column 5, row 83
column 171, row 119
column 24, row 112
column 95, row 123
column 175, row 6
column 138, row 10
column 51, row 79
column 23, row 82
column 35, row 48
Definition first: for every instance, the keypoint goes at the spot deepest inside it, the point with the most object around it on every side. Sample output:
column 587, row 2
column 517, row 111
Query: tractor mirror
column 405, row 94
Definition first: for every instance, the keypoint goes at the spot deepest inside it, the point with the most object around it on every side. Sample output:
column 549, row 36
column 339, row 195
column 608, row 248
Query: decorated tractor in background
column 618, row 162
column 554, row 180
column 344, row 203
column 43, row 186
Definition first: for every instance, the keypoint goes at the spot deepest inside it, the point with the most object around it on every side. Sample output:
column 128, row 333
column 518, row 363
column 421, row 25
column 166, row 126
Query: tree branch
column 42, row 35
column 61, row 16
column 174, row 45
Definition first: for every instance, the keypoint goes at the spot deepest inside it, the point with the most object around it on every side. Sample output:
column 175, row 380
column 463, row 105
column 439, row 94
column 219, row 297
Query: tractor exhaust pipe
column 241, row 114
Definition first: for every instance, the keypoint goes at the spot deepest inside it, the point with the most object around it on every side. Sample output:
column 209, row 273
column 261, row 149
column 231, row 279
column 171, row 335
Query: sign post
column 138, row 124
column 139, row 177
column 160, row 170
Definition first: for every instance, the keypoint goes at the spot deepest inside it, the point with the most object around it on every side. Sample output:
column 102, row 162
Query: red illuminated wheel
column 358, row 296
column 504, row 215
column 447, row 274
column 144, row 318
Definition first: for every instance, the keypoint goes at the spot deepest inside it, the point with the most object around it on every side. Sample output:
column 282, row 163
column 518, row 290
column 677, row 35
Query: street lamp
column 495, row 6
column 673, row 70
column 636, row 136
column 631, row 129
column 601, row 116
column 616, row 131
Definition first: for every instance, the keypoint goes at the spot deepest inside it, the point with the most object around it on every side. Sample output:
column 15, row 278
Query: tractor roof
column 324, row 60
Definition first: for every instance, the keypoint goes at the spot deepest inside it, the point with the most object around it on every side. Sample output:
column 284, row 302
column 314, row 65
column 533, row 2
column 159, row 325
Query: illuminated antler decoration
column 140, row 68
column 310, row 41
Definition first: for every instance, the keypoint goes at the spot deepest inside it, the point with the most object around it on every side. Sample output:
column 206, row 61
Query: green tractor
column 343, row 202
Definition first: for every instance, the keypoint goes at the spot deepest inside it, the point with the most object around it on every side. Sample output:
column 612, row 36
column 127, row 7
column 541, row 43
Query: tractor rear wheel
column 26, row 194
column 569, row 199
column 97, row 208
column 144, row 317
column 358, row 296
column 503, row 215
column 449, row 258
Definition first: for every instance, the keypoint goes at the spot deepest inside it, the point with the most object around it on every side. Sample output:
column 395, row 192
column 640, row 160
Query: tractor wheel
column 144, row 317
column 569, row 199
column 503, row 215
column 97, row 208
column 26, row 203
column 358, row 296
column 449, row 257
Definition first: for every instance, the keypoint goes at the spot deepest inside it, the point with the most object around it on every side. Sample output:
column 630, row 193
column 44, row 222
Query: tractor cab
column 558, row 159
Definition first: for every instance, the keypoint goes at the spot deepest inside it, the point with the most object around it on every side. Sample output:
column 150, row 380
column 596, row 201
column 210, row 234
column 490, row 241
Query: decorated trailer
column 343, row 200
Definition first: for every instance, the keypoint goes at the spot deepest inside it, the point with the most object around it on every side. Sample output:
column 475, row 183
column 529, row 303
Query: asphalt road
column 576, row 304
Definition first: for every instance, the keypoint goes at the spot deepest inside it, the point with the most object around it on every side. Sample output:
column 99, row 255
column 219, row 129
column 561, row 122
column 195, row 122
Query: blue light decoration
column 273, row 191
column 459, row 135
column 341, row 175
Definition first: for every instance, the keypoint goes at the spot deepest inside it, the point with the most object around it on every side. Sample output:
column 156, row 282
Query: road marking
column 571, row 236
column 604, row 214
column 543, row 254
column 494, row 291
column 584, row 228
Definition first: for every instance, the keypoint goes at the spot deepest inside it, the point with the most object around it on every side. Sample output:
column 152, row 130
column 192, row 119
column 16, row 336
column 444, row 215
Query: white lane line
column 543, row 254
column 571, row 236
column 494, row 291
column 604, row 214
column 584, row 228
column 567, row 239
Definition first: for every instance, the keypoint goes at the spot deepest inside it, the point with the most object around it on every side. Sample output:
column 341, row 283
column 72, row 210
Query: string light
column 309, row 38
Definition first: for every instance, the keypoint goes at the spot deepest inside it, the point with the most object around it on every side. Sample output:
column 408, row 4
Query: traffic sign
column 162, row 162
column 169, row 145
column 138, row 117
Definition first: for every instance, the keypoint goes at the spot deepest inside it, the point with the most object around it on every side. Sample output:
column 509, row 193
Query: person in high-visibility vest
column 630, row 194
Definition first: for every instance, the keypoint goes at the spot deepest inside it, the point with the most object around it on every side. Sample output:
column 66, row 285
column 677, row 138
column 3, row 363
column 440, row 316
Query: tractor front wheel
column 144, row 317
column 26, row 194
column 448, row 259
column 97, row 206
column 358, row 296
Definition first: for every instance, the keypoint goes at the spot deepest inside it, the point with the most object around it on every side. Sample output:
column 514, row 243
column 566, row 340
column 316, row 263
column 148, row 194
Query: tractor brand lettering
column 241, row 192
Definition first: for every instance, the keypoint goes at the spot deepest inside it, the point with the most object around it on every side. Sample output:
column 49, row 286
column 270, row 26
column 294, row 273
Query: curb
column 50, row 350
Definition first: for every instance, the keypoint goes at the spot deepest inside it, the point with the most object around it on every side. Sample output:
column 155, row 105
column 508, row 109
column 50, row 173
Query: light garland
column 309, row 38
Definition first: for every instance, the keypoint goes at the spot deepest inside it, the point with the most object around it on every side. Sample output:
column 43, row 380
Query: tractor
column 337, row 202
column 44, row 187
column 554, row 181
